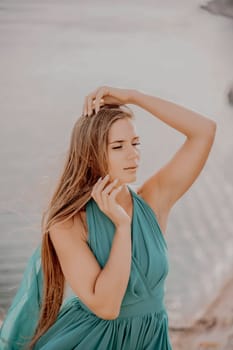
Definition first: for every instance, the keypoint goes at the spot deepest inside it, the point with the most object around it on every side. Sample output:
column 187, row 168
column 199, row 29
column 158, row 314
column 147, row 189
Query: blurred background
column 55, row 52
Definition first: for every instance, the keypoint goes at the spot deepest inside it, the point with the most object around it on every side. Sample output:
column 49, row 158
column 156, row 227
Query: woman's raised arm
column 168, row 184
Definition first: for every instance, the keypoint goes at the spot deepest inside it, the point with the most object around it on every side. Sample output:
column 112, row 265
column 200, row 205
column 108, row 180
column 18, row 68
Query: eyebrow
column 136, row 137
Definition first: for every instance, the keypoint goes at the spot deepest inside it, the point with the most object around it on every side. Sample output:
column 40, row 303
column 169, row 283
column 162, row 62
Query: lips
column 132, row 167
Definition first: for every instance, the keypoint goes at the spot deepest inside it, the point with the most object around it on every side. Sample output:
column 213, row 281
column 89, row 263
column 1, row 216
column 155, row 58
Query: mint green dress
column 143, row 321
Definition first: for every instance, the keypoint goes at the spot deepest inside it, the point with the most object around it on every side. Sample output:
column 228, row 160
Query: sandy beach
column 214, row 330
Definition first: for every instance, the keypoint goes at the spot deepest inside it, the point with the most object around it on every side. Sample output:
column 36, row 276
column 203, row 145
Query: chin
column 126, row 178
column 130, row 179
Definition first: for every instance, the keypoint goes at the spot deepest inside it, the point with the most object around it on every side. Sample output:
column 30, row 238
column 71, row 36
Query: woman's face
column 123, row 151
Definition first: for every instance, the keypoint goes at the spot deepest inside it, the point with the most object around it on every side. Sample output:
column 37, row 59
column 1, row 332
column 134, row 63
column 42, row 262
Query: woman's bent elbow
column 105, row 310
column 108, row 314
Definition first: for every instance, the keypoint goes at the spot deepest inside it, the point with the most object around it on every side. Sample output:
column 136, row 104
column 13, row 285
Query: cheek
column 114, row 159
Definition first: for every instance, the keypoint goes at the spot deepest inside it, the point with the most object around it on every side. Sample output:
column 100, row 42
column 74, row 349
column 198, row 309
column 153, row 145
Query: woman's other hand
column 105, row 194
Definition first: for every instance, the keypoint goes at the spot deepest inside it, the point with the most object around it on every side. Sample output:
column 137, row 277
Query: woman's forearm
column 112, row 282
column 180, row 118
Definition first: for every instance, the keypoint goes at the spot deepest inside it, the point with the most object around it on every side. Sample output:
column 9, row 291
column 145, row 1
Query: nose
column 133, row 152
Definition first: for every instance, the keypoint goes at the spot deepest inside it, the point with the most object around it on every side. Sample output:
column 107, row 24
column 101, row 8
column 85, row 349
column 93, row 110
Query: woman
column 102, row 238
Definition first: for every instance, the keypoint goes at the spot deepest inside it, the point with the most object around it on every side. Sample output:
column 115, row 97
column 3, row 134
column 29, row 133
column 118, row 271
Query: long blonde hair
column 86, row 161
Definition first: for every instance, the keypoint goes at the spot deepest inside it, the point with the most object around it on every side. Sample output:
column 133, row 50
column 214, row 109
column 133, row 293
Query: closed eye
column 134, row 144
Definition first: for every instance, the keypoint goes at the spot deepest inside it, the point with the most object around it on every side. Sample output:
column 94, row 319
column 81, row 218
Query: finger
column 91, row 99
column 98, row 99
column 94, row 187
column 85, row 106
column 106, row 192
column 97, row 182
column 113, row 194
column 102, row 183
column 108, row 188
column 89, row 105
column 90, row 102
column 99, row 187
column 102, row 102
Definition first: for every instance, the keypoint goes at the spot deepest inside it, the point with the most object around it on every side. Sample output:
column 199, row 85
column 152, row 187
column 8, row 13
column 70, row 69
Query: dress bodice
column 149, row 266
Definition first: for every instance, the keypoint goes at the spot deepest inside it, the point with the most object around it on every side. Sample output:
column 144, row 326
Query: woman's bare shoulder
column 81, row 221
column 75, row 225
column 153, row 201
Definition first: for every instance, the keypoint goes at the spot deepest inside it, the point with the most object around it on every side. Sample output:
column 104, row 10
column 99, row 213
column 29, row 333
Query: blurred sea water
column 52, row 54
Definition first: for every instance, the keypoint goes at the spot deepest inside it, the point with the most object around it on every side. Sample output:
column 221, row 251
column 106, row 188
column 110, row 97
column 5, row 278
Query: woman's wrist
column 123, row 226
column 134, row 96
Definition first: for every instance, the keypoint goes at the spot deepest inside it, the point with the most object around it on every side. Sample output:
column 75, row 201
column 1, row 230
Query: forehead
column 123, row 128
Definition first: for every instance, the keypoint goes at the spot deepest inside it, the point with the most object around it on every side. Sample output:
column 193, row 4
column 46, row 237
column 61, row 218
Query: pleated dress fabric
column 143, row 321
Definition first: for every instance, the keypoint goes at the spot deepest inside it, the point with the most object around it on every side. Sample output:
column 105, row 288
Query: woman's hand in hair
column 106, row 95
column 104, row 194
